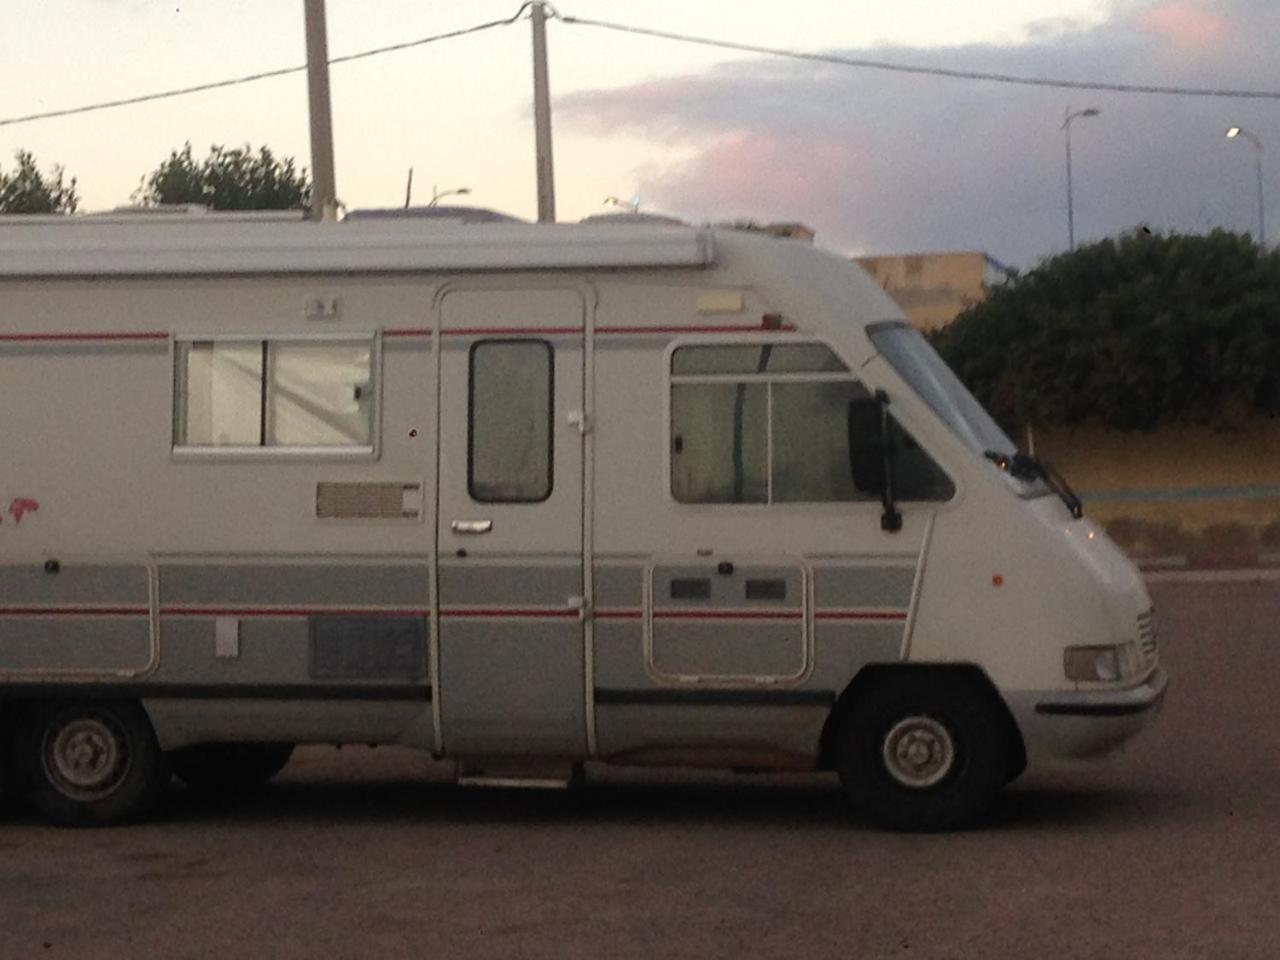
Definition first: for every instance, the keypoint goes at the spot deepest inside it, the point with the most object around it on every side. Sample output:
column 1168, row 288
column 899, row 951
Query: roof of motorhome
column 39, row 246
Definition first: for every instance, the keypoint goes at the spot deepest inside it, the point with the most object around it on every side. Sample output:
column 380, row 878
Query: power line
column 927, row 71
column 264, row 75
column 830, row 58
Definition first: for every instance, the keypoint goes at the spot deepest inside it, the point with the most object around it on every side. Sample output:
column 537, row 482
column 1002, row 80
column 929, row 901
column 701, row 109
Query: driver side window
column 768, row 423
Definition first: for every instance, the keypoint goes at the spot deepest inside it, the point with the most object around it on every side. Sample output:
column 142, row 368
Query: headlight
column 1101, row 664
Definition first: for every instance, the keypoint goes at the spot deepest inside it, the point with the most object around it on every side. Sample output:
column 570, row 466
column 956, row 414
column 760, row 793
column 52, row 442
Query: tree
column 228, row 179
column 1132, row 333
column 27, row 190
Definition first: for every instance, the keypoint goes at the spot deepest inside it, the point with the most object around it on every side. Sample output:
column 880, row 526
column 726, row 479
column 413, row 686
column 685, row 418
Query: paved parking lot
column 1169, row 850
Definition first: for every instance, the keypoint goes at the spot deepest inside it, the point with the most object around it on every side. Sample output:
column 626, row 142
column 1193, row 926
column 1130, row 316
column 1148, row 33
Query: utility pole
column 542, row 116
column 324, row 200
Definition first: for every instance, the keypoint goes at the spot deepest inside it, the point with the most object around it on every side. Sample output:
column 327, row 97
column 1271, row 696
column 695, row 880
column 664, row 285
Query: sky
column 876, row 162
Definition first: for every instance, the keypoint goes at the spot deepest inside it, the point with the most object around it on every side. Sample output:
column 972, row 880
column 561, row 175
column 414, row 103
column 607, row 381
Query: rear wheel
column 923, row 751
column 90, row 763
column 229, row 767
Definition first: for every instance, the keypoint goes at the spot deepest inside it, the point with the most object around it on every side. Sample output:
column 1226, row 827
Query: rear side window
column 275, row 394
column 509, row 429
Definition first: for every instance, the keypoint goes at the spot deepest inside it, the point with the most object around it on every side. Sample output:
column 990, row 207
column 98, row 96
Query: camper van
column 523, row 497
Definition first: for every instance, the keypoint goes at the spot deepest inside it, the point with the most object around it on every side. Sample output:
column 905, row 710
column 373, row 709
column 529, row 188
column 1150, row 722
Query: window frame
column 246, row 452
column 770, row 338
column 551, row 418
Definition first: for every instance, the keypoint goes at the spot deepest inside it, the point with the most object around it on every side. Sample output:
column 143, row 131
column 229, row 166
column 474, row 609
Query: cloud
column 1186, row 26
column 881, row 162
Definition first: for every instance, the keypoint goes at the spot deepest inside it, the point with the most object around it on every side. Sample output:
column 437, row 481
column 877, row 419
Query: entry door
column 509, row 536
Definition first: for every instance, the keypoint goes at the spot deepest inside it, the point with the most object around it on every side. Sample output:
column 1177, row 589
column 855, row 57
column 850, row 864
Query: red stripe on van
column 251, row 612
column 860, row 615
column 569, row 331
column 74, row 612
column 736, row 328
column 72, row 337
column 728, row 615
column 500, row 613
column 513, row 331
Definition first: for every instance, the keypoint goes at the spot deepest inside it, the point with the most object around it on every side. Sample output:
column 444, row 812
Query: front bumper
column 1087, row 723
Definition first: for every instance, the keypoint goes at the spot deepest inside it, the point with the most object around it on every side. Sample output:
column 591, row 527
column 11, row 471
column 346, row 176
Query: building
column 933, row 288
column 786, row 230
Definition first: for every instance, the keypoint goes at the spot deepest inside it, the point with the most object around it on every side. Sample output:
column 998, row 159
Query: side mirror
column 866, row 445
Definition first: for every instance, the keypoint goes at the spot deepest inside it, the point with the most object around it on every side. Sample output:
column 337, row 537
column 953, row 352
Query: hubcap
column 86, row 758
column 919, row 752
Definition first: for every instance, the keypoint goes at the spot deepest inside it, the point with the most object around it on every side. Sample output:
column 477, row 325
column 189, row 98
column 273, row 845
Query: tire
column 923, row 751
column 229, row 767
column 89, row 763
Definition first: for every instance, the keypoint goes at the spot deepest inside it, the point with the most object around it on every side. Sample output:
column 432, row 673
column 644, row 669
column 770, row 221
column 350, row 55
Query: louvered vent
column 1147, row 633
column 368, row 501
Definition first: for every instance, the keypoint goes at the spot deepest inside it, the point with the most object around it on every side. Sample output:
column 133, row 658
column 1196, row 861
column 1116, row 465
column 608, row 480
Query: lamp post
column 1066, row 128
column 438, row 195
column 1232, row 134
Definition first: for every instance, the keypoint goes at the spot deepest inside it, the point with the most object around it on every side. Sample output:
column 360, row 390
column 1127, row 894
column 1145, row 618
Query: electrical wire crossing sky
column 453, row 103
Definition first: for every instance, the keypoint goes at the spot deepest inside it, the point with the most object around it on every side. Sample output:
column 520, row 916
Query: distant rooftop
column 453, row 214
column 936, row 255
column 631, row 218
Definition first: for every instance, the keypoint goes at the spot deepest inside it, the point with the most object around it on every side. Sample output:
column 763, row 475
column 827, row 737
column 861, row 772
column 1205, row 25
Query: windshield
column 919, row 364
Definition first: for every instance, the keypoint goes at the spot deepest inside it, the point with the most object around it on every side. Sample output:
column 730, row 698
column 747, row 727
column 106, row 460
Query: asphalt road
column 1169, row 849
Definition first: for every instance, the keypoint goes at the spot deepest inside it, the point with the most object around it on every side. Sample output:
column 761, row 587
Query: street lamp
column 1066, row 127
column 438, row 195
column 1232, row 134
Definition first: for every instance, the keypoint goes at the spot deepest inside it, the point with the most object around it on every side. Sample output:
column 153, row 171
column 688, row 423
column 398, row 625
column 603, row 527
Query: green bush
column 1133, row 332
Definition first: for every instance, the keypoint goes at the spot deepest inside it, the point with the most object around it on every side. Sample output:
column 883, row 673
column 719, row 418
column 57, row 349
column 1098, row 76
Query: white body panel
column 607, row 619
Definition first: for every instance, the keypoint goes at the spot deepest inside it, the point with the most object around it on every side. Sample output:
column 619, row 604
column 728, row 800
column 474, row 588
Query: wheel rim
column 87, row 757
column 919, row 752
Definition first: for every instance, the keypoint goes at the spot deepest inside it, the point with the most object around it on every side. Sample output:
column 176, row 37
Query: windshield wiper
column 1026, row 467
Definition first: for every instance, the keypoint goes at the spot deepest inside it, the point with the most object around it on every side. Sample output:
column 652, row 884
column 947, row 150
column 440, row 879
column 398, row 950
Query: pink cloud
column 1185, row 25
column 765, row 175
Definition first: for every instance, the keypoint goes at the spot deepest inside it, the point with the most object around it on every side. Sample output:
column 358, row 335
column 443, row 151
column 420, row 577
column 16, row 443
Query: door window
column 510, row 431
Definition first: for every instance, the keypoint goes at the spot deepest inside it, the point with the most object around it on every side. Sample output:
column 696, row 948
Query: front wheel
column 923, row 751
column 90, row 763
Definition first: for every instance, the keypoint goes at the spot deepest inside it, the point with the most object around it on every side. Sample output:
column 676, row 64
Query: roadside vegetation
column 1135, row 332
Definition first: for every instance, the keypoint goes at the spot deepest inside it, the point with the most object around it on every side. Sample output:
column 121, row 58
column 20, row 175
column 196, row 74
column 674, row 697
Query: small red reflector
column 997, row 581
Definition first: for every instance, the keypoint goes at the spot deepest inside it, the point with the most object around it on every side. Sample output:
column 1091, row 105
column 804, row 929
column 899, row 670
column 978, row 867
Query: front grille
column 1147, row 633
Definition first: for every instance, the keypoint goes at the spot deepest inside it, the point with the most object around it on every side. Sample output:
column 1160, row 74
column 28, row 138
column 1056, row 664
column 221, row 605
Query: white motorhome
column 522, row 496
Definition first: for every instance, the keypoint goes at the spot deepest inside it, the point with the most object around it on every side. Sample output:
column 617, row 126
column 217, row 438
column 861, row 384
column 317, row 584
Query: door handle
column 471, row 526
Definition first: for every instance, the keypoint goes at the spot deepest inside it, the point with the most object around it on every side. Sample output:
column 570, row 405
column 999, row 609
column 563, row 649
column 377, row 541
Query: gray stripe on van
column 280, row 584
column 709, row 649
column 365, row 648
column 77, row 644
column 690, row 586
column 278, row 652
column 842, row 649
column 724, row 697
column 863, row 587
column 508, row 585
column 619, row 587
column 619, row 653
column 43, row 584
column 220, row 691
